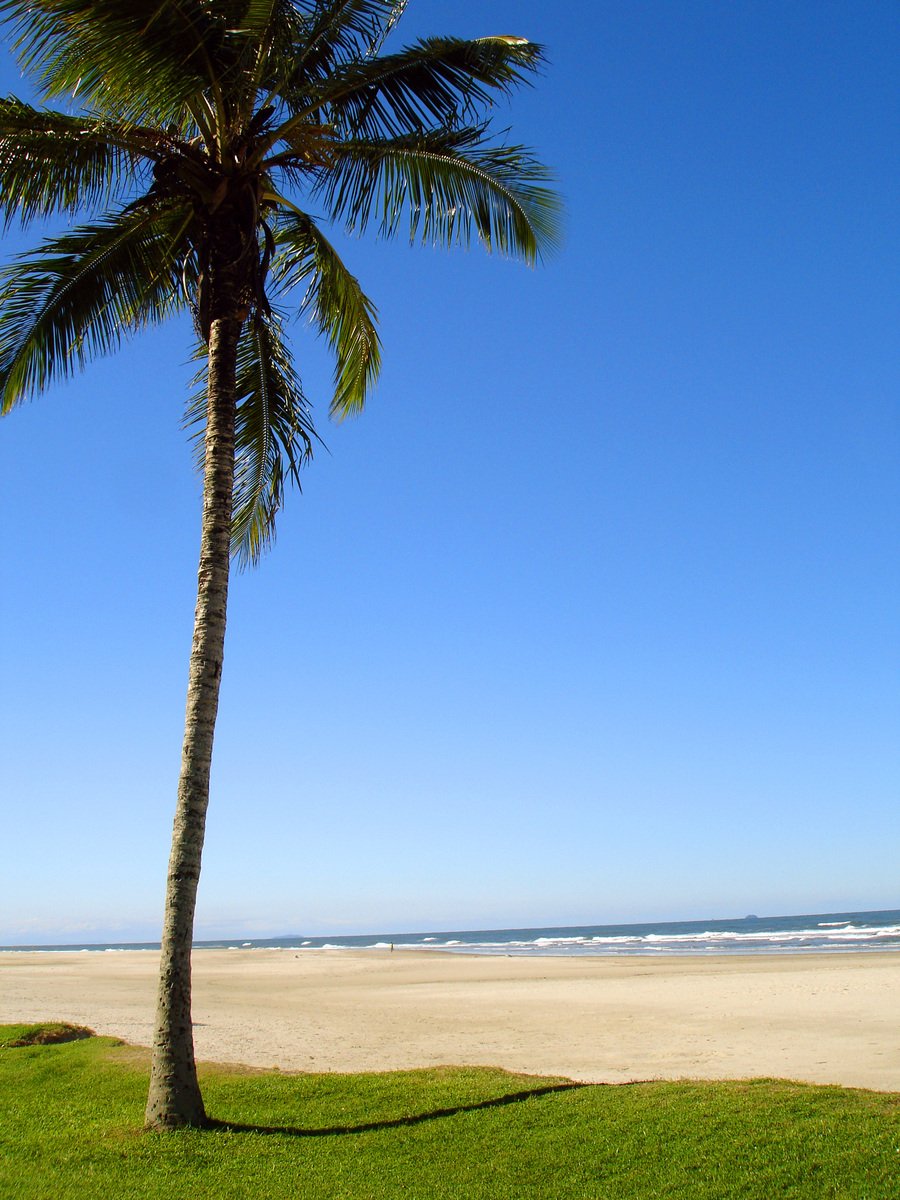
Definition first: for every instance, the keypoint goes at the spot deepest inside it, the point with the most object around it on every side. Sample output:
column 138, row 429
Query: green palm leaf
column 78, row 295
column 270, row 31
column 52, row 162
column 130, row 59
column 436, row 83
column 339, row 307
column 449, row 187
column 339, row 31
column 274, row 434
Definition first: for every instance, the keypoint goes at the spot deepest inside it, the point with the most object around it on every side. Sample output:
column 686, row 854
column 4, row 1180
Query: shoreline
column 820, row 1017
column 452, row 952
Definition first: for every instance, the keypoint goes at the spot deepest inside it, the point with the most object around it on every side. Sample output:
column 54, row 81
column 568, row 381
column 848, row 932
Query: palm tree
column 195, row 129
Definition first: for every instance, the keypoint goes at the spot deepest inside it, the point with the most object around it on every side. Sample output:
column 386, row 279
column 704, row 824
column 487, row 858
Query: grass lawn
column 71, row 1112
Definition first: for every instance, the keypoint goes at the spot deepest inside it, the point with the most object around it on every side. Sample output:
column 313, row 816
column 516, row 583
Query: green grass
column 70, row 1127
column 45, row 1034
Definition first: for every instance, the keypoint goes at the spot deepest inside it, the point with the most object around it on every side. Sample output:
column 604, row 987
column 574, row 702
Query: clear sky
column 593, row 615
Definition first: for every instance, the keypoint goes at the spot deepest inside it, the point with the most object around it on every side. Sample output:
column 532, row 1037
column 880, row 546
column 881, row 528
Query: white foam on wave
column 769, row 935
column 558, row 941
column 823, row 936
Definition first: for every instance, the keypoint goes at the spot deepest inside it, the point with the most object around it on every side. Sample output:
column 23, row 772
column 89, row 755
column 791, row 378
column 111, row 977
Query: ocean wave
column 846, row 932
column 822, row 937
column 849, row 932
column 558, row 941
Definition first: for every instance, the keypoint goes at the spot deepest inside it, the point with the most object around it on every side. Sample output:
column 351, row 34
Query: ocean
column 849, row 932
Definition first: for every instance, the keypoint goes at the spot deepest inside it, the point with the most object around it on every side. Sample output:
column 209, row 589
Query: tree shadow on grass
column 396, row 1122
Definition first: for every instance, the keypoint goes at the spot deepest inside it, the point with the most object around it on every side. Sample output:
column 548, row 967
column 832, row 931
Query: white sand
column 823, row 1018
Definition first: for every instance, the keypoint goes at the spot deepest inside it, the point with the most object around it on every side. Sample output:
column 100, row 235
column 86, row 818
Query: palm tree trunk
column 174, row 1098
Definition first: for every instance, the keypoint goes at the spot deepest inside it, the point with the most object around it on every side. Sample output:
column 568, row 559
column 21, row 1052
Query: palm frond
column 52, row 162
column 257, row 15
column 338, row 305
column 269, row 30
column 78, row 295
column 129, row 59
column 450, row 187
column 339, row 31
column 274, row 435
column 439, row 82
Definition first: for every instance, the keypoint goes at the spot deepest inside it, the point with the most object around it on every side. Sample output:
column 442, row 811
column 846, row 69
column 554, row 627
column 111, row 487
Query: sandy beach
column 819, row 1018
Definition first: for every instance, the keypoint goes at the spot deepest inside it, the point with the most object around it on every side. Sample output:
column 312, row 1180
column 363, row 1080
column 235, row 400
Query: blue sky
column 592, row 616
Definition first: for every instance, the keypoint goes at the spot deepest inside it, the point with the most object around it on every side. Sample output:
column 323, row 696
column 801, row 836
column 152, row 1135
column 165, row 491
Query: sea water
column 856, row 932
